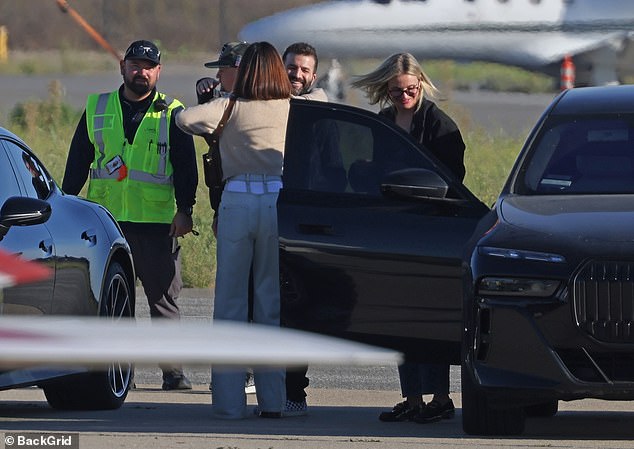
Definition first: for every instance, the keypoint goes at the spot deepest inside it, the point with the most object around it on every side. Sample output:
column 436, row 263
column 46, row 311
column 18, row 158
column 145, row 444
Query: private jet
column 533, row 34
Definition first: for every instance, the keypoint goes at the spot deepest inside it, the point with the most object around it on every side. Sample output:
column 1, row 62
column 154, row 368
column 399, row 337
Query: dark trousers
column 296, row 381
column 157, row 265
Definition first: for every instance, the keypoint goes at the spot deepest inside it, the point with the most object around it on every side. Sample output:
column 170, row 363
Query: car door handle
column 316, row 229
column 47, row 247
column 90, row 236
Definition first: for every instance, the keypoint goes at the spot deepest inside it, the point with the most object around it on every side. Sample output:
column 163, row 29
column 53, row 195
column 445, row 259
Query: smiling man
column 300, row 60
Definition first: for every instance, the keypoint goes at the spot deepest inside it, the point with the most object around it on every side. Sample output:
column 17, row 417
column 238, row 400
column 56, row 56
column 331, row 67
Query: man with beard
column 300, row 60
column 326, row 172
column 142, row 168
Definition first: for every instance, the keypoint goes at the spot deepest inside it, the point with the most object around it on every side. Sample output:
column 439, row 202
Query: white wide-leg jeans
column 248, row 237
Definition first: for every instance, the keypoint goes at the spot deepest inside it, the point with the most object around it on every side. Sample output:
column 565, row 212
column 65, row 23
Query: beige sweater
column 253, row 138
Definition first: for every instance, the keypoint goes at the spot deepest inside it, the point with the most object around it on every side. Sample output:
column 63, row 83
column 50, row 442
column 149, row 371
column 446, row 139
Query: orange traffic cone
column 567, row 73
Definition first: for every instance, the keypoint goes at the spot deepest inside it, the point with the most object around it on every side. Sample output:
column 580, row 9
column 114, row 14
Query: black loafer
column 434, row 411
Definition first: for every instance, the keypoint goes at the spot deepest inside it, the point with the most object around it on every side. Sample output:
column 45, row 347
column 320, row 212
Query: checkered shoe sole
column 295, row 409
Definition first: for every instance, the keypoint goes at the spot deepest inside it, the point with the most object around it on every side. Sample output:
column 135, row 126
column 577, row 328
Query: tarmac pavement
column 338, row 419
column 344, row 404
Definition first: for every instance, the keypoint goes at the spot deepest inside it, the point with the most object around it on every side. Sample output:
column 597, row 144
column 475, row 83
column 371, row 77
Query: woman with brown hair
column 251, row 149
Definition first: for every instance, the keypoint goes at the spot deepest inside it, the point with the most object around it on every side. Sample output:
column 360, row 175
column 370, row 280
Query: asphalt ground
column 197, row 304
column 344, row 404
column 338, row 419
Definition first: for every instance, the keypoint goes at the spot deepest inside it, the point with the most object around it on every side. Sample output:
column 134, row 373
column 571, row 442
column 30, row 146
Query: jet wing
column 546, row 48
column 91, row 341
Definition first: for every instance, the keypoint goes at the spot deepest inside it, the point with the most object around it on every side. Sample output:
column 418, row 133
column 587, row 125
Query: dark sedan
column 91, row 265
column 535, row 298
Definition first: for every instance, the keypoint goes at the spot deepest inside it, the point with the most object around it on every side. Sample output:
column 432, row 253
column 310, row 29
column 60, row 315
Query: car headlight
column 509, row 286
column 520, row 254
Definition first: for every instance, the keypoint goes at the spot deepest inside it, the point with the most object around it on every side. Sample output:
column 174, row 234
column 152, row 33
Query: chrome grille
column 603, row 299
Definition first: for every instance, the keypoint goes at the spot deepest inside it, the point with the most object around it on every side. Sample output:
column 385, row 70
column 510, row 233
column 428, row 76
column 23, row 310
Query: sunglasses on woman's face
column 397, row 92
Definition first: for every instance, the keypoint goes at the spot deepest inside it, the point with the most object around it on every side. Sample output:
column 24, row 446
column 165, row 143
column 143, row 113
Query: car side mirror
column 22, row 211
column 414, row 182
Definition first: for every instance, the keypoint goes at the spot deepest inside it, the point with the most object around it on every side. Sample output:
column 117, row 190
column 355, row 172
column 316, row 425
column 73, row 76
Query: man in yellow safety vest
column 142, row 168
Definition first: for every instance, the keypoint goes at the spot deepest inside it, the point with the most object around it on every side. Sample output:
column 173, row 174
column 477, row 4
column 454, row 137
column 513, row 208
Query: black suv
column 534, row 298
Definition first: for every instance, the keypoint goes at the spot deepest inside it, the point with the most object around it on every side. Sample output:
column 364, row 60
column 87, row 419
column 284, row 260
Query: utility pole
column 65, row 8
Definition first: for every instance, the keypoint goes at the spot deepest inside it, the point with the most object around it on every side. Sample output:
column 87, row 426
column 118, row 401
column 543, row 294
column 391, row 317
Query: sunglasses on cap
column 143, row 51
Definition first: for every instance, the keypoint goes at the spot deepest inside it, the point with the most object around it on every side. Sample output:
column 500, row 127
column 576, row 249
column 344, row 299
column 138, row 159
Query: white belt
column 255, row 187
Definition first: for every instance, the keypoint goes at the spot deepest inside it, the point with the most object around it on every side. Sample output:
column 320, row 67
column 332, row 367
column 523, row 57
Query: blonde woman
column 403, row 91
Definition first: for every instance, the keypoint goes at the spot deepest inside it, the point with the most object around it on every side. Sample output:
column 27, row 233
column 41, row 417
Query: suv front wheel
column 479, row 418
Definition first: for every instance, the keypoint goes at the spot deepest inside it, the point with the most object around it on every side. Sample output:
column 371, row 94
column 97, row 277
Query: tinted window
column 34, row 179
column 339, row 151
column 582, row 155
column 8, row 182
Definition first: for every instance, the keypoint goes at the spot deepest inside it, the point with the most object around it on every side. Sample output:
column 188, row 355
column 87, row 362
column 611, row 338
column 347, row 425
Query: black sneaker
column 273, row 415
column 176, row 382
column 401, row 412
column 434, row 411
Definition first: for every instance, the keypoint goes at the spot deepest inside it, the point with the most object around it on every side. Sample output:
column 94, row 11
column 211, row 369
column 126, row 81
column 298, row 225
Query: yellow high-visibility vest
column 133, row 181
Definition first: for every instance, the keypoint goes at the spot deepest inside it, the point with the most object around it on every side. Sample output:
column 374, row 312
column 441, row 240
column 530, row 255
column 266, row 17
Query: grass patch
column 453, row 75
column 65, row 61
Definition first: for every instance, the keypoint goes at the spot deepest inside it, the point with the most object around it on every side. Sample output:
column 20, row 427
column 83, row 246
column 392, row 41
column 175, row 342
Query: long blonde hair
column 375, row 82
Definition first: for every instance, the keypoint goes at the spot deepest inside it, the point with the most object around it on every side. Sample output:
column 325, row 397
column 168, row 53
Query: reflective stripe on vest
column 98, row 124
column 101, row 173
column 135, row 175
column 142, row 189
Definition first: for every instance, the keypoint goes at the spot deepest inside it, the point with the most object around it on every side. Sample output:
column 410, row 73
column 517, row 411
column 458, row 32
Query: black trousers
column 296, row 381
column 157, row 265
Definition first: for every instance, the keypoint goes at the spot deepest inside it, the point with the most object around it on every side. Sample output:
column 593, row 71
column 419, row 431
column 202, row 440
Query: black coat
column 437, row 132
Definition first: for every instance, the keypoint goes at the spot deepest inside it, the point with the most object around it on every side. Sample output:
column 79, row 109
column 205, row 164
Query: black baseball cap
column 230, row 55
column 145, row 50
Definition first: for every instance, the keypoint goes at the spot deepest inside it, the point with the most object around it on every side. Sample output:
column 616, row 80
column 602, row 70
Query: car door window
column 344, row 152
column 8, row 182
column 35, row 180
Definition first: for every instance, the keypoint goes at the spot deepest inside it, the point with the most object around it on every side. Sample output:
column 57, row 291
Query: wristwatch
column 186, row 210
